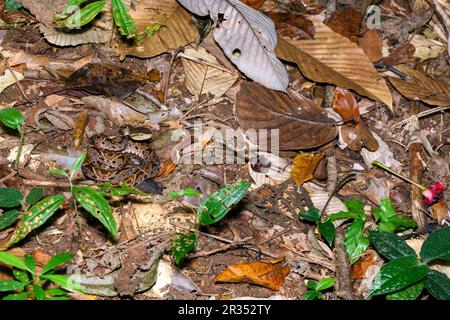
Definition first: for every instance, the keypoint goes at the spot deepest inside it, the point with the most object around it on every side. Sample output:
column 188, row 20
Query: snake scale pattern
column 119, row 159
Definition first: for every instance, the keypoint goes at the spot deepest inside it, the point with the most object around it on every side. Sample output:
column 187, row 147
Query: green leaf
column 11, row 285
column 122, row 18
column 390, row 221
column 70, row 9
column 311, row 295
column 152, row 29
column 82, row 16
column 311, row 284
column 397, row 275
column 59, row 172
column 342, row 215
column 182, row 244
column 355, row 206
column 108, row 190
column 386, row 209
column 56, row 292
column 410, row 293
column 39, row 293
column 63, row 281
column 355, row 242
column 438, row 285
column 17, row 296
column 217, row 205
column 57, row 261
column 34, row 196
column 77, row 164
column 313, row 214
column 390, row 245
column 31, row 264
column 188, row 192
column 11, row 118
column 10, row 197
column 8, row 218
column 22, row 276
column 35, row 217
column 327, row 230
column 12, row 260
column 437, row 246
column 325, row 283
column 12, row 5
column 94, row 203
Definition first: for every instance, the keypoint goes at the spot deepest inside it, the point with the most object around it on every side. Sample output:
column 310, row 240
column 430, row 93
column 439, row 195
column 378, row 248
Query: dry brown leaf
column 440, row 211
column 358, row 270
column 254, row 3
column 422, row 87
column 167, row 168
column 346, row 22
column 372, row 45
column 301, row 126
column 332, row 58
column 304, row 166
column 204, row 74
column 177, row 30
column 400, row 55
column 358, row 137
column 267, row 274
column 345, row 104
column 80, row 126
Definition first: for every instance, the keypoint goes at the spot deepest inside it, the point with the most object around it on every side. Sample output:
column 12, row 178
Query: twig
column 203, row 233
column 344, row 284
column 217, row 250
column 14, row 76
column 419, row 115
column 54, row 184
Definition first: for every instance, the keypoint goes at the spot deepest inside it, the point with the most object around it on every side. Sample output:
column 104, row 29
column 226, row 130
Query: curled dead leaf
column 304, row 166
column 267, row 274
column 345, row 104
column 358, row 137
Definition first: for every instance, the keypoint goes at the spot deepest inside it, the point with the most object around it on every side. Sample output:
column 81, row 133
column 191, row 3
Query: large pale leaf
column 177, row 30
column 301, row 126
column 247, row 37
column 332, row 58
column 422, row 87
column 204, row 74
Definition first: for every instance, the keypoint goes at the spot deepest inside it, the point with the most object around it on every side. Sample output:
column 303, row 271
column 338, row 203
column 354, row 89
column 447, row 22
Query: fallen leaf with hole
column 423, row 88
column 100, row 78
column 304, row 166
column 332, row 58
column 345, row 104
column 176, row 29
column 301, row 126
column 267, row 274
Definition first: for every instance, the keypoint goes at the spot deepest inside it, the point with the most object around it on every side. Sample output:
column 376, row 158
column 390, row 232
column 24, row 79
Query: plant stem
column 19, row 150
column 379, row 164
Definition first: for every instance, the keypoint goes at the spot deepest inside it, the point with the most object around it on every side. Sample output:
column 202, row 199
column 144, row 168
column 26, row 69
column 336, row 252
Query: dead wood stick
column 15, row 77
column 343, row 283
column 217, row 250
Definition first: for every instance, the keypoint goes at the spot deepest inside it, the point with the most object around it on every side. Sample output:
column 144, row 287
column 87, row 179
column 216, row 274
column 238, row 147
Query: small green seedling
column 316, row 288
column 29, row 284
column 406, row 275
column 34, row 211
column 188, row 192
column 210, row 211
column 13, row 119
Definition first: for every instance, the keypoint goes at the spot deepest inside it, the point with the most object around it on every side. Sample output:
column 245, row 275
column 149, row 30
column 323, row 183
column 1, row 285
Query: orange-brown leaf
column 345, row 104
column 267, row 274
column 372, row 45
column 304, row 166
column 254, row 3
column 80, row 127
column 167, row 168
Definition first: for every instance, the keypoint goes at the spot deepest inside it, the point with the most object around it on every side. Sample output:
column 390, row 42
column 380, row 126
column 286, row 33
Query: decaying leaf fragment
column 267, row 274
column 422, row 87
column 304, row 166
column 301, row 126
column 345, row 104
column 247, row 37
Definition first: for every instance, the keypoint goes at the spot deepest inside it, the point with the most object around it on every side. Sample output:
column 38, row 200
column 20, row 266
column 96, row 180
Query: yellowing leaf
column 267, row 274
column 304, row 166
column 332, row 58
column 422, row 87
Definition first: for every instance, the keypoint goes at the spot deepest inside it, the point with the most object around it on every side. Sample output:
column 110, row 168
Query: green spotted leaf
column 123, row 20
column 20, row 275
column 18, row 296
column 35, row 217
column 390, row 245
column 94, row 203
column 11, row 285
column 10, row 197
column 217, row 205
column 397, row 275
column 182, row 244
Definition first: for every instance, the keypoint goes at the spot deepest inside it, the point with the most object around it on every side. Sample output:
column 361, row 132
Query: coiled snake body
column 120, row 160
